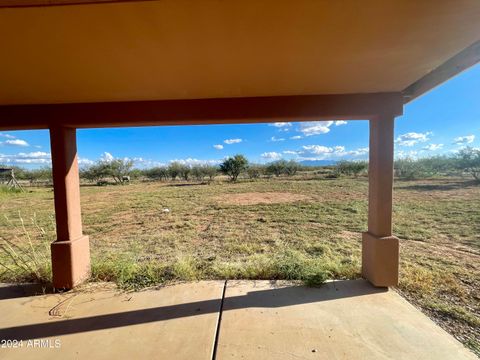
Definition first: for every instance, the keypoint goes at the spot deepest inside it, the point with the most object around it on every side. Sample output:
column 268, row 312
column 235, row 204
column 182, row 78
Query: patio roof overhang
column 69, row 64
column 123, row 62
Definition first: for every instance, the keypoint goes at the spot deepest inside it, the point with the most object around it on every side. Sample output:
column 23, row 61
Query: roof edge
column 458, row 63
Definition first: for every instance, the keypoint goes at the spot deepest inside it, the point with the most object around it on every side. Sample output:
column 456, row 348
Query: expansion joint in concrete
column 219, row 322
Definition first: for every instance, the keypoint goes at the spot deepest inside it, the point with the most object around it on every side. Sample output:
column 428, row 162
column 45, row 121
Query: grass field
column 294, row 228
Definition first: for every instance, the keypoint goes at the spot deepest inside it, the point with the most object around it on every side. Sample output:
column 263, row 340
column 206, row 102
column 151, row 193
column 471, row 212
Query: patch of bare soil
column 253, row 198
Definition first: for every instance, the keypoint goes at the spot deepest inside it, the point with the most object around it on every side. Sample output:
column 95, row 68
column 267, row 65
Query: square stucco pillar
column 380, row 249
column 71, row 250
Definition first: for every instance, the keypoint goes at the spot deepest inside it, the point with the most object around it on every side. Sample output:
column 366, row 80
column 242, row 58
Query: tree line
column 117, row 170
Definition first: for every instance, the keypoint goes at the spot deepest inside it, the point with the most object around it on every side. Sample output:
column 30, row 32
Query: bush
column 174, row 170
column 157, row 173
column 276, row 168
column 36, row 175
column 234, row 166
column 209, row 171
column 283, row 167
column 350, row 168
column 93, row 173
column 292, row 167
column 469, row 161
column 116, row 169
column 255, row 171
column 200, row 172
column 27, row 260
column 410, row 169
column 185, row 171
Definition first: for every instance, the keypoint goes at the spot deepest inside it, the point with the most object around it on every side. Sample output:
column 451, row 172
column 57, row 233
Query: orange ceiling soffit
column 450, row 68
column 201, row 111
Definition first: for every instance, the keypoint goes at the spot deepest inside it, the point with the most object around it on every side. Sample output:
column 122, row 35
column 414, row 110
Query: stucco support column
column 71, row 251
column 380, row 248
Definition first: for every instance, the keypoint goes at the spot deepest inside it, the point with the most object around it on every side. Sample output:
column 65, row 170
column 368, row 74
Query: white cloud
column 281, row 124
column 296, row 137
column 192, row 161
column 412, row 138
column 290, row 152
column 140, row 162
column 107, row 157
column 340, row 122
column 432, row 147
column 359, row 151
column 320, row 152
column 37, row 157
column 85, row 162
column 319, row 149
column 462, row 140
column 14, row 142
column 8, row 136
column 218, row 146
column 272, row 155
column 401, row 154
column 273, row 138
column 232, row 141
column 315, row 127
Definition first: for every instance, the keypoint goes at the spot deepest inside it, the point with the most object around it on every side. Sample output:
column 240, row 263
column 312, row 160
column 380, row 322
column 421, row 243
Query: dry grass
column 299, row 228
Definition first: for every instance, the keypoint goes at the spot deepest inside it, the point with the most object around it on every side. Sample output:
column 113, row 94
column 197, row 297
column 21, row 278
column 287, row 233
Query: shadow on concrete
column 12, row 291
column 269, row 298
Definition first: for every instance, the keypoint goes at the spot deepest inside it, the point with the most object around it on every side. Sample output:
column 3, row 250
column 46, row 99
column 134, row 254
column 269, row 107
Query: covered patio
column 74, row 64
column 348, row 319
column 82, row 63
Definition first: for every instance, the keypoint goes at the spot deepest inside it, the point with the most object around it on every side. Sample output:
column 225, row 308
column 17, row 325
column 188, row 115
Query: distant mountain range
column 318, row 162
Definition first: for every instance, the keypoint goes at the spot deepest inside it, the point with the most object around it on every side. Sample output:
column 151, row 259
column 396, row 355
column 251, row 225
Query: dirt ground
column 272, row 228
column 253, row 198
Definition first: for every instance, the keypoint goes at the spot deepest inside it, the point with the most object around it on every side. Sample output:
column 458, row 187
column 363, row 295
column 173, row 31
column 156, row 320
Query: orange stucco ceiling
column 179, row 49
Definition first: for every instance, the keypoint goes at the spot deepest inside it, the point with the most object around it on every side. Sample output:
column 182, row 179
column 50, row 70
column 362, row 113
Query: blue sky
column 440, row 122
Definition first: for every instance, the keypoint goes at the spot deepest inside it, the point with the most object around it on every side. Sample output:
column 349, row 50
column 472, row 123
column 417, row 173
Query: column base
column 70, row 262
column 380, row 259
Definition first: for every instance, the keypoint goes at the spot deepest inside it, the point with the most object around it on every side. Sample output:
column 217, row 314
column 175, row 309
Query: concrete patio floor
column 205, row 320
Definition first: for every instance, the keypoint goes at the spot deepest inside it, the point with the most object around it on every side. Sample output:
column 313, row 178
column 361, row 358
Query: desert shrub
column 27, row 260
column 210, row 171
column 438, row 164
column 185, row 172
column 93, row 173
column 200, row 172
column 283, row 167
column 197, row 172
column 292, row 167
column 468, row 160
column 350, row 168
column 410, row 169
column 234, row 166
column 276, row 168
column 255, row 171
column 174, row 170
column 156, row 173
column 135, row 174
column 116, row 169
column 36, row 175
